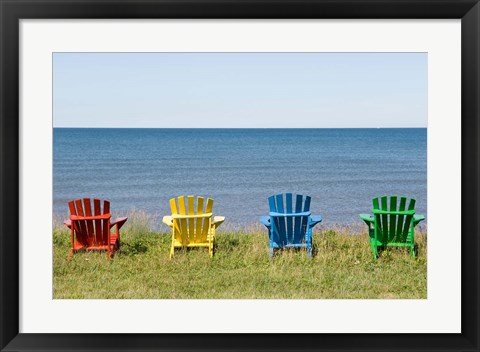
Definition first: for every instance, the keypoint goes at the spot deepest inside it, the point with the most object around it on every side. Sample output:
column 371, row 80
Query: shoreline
column 138, row 219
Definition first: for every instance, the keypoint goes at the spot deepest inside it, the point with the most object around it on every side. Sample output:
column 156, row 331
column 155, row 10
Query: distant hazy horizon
column 242, row 128
column 240, row 90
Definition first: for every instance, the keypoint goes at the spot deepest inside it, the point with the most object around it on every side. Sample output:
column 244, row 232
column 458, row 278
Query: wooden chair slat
column 89, row 224
column 173, row 206
column 181, row 206
column 393, row 219
column 384, row 226
column 289, row 210
column 298, row 220
column 71, row 207
column 82, row 236
column 182, row 222
column 191, row 222
column 408, row 220
column 208, row 209
column 106, row 223
column 200, row 222
column 73, row 211
column 401, row 218
column 281, row 224
column 97, row 210
column 306, row 208
column 272, row 204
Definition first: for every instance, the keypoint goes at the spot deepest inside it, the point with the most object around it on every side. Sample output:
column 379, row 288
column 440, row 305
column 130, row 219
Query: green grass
column 342, row 267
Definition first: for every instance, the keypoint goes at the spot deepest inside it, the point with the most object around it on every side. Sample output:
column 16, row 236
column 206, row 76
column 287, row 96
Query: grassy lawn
column 342, row 267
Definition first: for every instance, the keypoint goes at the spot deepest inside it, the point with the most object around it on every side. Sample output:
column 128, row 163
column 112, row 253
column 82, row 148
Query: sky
column 240, row 90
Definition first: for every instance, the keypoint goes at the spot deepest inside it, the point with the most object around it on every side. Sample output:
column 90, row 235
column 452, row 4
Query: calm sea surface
column 141, row 169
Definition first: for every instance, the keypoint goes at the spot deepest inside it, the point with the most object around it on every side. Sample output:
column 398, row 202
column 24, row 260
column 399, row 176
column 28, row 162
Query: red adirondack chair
column 93, row 231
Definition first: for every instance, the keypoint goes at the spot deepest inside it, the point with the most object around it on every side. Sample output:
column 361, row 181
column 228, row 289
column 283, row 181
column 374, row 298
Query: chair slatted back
column 90, row 232
column 289, row 229
column 193, row 223
column 392, row 222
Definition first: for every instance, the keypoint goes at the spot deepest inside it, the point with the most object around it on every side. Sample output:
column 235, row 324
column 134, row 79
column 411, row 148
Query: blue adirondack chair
column 288, row 227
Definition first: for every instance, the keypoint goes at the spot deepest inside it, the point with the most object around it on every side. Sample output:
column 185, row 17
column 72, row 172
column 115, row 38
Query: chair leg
column 309, row 242
column 172, row 251
column 72, row 233
column 412, row 251
column 271, row 252
column 118, row 236
column 375, row 251
column 115, row 248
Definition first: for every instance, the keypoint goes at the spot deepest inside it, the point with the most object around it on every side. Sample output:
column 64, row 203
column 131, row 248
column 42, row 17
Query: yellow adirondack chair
column 192, row 226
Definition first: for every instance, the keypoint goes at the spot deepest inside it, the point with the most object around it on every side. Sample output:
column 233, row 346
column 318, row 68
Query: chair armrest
column 68, row 223
column 314, row 219
column 168, row 220
column 119, row 221
column 217, row 220
column 367, row 218
column 417, row 219
column 265, row 220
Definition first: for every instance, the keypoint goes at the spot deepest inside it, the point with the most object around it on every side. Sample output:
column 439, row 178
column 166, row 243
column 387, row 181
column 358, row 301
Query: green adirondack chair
column 392, row 227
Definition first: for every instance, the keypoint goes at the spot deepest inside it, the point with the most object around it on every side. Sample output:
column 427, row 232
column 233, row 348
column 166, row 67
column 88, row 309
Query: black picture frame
column 11, row 11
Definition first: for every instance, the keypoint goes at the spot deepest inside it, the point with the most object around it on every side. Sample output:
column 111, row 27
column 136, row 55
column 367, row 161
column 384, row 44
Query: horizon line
column 245, row 128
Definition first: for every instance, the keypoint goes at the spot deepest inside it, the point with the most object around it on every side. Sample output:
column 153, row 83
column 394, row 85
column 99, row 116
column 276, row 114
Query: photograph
column 239, row 175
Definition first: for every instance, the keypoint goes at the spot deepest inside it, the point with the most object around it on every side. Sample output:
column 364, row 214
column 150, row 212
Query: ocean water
column 141, row 169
